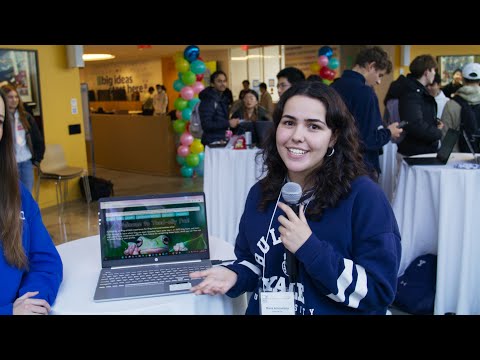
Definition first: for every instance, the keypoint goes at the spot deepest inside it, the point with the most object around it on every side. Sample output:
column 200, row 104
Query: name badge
column 277, row 303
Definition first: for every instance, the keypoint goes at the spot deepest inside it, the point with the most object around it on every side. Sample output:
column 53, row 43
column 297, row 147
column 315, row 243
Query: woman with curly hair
column 345, row 240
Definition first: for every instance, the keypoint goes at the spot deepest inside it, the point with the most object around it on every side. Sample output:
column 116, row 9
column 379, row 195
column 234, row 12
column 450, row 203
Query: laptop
column 149, row 244
column 476, row 159
column 443, row 154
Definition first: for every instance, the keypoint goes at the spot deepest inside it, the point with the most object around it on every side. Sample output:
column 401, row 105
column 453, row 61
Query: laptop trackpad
column 181, row 286
column 145, row 290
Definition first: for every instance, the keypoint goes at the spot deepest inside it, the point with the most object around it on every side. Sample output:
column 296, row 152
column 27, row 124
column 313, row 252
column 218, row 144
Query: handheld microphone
column 291, row 193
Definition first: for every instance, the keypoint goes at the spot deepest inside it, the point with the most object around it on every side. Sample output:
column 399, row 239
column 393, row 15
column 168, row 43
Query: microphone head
column 291, row 193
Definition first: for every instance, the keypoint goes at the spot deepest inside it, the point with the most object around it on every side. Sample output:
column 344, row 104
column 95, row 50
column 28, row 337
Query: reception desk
column 136, row 143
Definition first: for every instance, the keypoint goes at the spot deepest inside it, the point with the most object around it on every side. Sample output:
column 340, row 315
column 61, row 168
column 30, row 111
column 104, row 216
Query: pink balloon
column 186, row 139
column 322, row 60
column 197, row 87
column 183, row 150
column 178, row 114
column 187, row 92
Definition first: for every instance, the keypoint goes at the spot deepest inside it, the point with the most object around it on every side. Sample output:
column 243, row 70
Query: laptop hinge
column 169, row 263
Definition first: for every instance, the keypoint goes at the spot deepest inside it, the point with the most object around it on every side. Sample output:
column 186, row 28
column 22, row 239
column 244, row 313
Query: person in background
column 437, row 93
column 287, row 77
column 229, row 96
column 246, row 87
column 242, row 119
column 30, row 266
column 213, row 109
column 160, row 100
column 356, row 88
column 345, row 239
column 467, row 95
column 28, row 140
column 457, row 82
column 147, row 106
column 266, row 99
column 418, row 107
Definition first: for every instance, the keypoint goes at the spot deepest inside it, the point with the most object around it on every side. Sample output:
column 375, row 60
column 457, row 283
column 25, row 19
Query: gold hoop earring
column 333, row 152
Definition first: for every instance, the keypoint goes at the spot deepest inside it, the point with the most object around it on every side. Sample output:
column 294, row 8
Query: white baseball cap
column 471, row 71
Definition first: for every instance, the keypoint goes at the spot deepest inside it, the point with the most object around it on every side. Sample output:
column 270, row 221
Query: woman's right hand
column 218, row 280
column 234, row 122
column 25, row 305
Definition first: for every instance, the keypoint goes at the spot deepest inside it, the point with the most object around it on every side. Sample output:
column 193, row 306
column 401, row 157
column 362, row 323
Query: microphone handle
column 291, row 260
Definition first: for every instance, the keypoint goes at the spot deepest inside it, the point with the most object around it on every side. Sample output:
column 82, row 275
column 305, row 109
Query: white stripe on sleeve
column 343, row 281
column 251, row 266
column 361, row 288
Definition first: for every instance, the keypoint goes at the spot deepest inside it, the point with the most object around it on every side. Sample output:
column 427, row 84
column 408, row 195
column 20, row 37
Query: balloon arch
column 191, row 69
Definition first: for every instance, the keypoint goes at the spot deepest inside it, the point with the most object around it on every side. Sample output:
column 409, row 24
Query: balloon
column 178, row 114
column 186, row 139
column 333, row 63
column 199, row 169
column 179, row 126
column 327, row 82
column 182, row 65
column 187, row 126
column 331, row 74
column 197, row 147
column 186, row 171
column 325, row 50
column 324, row 72
column 199, row 77
column 191, row 53
column 314, row 67
column 192, row 160
column 193, row 102
column 188, row 78
column 187, row 92
column 186, row 113
column 180, row 160
column 178, row 85
column 201, row 156
column 322, row 60
column 197, row 87
column 183, row 150
column 198, row 67
column 180, row 103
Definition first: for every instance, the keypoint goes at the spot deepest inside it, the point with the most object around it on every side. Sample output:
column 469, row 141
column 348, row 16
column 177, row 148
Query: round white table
column 81, row 267
column 436, row 208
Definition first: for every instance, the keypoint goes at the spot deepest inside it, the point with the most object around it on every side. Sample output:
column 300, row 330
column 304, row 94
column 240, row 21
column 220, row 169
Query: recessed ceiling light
column 96, row 57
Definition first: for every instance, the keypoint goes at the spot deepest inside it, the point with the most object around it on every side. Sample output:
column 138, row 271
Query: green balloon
column 192, row 160
column 179, row 126
column 180, row 103
column 188, row 78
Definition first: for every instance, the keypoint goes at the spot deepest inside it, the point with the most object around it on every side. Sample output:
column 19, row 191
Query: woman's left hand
column 294, row 230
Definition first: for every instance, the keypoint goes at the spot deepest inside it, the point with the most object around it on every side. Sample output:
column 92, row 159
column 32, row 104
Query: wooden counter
column 136, row 143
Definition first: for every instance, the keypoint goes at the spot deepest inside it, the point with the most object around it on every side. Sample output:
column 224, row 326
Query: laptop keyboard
column 148, row 276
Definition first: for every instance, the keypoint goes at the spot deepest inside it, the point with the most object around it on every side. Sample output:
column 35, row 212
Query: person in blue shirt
column 30, row 266
column 356, row 88
column 345, row 240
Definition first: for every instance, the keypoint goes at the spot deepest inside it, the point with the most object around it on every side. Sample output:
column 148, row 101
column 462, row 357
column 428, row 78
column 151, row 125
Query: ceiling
column 132, row 52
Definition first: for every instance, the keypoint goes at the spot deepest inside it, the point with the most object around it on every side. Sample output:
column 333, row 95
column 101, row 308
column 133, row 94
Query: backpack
column 417, row 286
column 470, row 122
column 391, row 115
column 98, row 188
column 195, row 123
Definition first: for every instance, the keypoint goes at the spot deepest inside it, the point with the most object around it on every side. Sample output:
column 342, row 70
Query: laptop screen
column 448, row 142
column 153, row 228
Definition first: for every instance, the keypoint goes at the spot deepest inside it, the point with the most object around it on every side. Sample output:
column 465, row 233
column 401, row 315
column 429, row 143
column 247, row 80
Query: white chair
column 54, row 167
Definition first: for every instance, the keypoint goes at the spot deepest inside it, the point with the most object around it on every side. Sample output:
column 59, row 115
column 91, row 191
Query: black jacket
column 419, row 108
column 213, row 111
column 35, row 141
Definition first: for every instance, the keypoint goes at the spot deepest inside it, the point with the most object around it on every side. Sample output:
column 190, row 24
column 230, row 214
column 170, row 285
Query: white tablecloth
column 436, row 208
column 228, row 177
column 81, row 266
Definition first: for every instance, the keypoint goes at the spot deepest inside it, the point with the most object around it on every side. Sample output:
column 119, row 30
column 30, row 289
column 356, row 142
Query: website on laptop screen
column 154, row 228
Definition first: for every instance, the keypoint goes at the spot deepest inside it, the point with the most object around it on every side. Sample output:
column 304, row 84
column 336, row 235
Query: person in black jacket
column 418, row 107
column 29, row 143
column 213, row 109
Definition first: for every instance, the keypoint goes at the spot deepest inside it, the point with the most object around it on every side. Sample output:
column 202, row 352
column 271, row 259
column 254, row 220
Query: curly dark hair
column 332, row 179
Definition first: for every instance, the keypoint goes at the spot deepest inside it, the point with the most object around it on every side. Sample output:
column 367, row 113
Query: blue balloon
column 201, row 156
column 178, row 85
column 193, row 102
column 186, row 171
column 325, row 50
column 191, row 53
